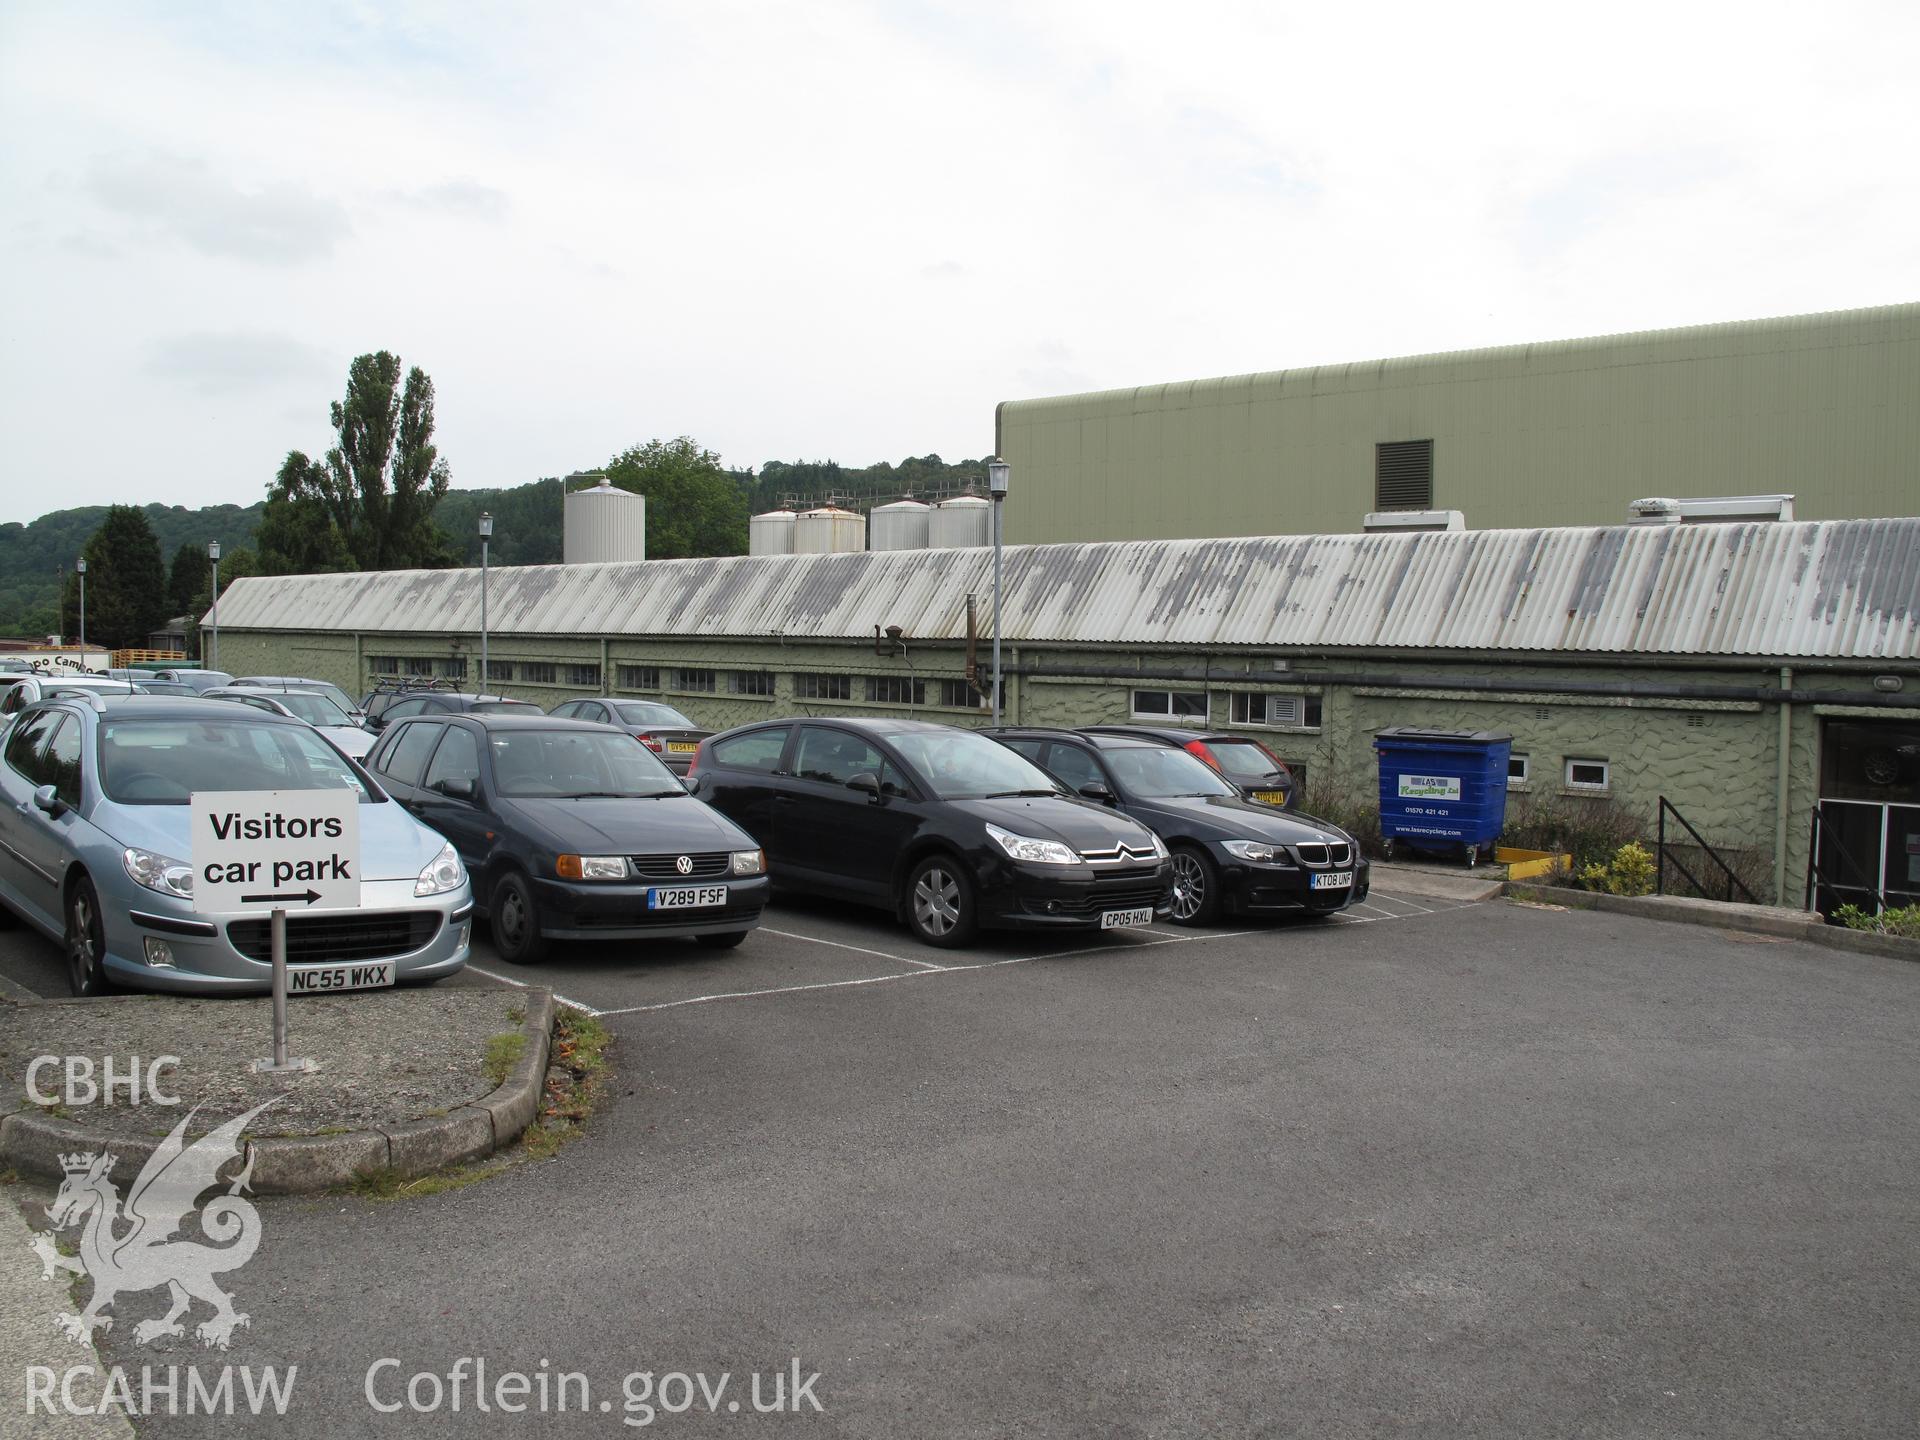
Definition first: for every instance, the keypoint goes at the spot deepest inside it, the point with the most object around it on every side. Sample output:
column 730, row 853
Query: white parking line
column 858, row 949
column 523, row 985
column 1402, row 900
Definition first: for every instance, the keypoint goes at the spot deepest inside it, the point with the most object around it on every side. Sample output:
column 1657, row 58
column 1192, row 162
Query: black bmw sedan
column 1230, row 854
column 940, row 825
column 573, row 831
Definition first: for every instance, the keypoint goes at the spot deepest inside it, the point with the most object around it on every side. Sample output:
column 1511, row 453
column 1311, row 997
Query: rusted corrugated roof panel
column 1842, row 588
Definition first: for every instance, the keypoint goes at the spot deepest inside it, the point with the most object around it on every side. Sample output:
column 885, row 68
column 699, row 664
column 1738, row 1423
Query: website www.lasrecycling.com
column 468, row 1386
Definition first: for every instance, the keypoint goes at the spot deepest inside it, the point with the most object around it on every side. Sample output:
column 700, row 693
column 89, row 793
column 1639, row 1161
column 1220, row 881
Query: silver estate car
column 95, row 843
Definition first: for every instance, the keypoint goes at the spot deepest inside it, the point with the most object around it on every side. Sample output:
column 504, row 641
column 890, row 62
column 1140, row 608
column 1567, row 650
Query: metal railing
column 1818, row 879
column 1665, row 857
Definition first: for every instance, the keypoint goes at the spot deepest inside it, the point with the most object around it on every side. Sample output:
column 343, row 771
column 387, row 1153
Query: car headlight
column 443, row 873
column 591, row 867
column 160, row 872
column 1160, row 851
column 1026, row 847
column 749, row 862
column 1258, row 851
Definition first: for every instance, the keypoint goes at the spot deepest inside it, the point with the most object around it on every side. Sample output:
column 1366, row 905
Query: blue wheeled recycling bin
column 1442, row 791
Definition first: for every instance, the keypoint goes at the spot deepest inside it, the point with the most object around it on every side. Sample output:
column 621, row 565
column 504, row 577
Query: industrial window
column 1516, row 772
column 638, row 677
column 1587, row 775
column 540, row 672
column 1170, row 704
column 584, row 675
column 823, row 687
column 383, row 664
column 418, row 665
column 499, row 669
column 896, row 690
column 959, row 695
column 750, row 682
column 1276, row 712
column 705, row 681
column 1403, row 475
column 454, row 668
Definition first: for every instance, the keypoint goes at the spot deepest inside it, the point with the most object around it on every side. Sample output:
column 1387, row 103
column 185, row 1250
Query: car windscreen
column 313, row 708
column 639, row 712
column 577, row 764
column 1155, row 772
column 1245, row 760
column 163, row 762
column 960, row 765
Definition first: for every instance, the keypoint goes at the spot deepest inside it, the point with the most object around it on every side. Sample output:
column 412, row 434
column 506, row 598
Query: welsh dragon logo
column 128, row 1248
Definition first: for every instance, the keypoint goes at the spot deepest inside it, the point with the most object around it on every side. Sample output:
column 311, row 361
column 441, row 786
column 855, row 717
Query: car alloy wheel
column 1196, row 888
column 86, row 941
column 940, row 903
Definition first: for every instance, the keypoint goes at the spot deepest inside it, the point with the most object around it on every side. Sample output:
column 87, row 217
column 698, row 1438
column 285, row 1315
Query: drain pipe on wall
column 1780, row 789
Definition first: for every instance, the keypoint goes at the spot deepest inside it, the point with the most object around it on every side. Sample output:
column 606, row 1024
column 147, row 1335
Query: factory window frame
column 1255, row 710
column 1590, row 777
column 637, row 677
column 700, row 682
column 383, row 664
column 454, row 667
column 539, row 672
column 499, row 669
column 584, row 676
column 895, row 690
column 822, row 687
column 1171, row 705
column 1403, row 475
column 1518, row 769
column 418, row 665
column 959, row 695
column 750, row 682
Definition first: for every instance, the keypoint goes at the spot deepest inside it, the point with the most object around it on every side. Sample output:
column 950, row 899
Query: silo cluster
column 908, row 524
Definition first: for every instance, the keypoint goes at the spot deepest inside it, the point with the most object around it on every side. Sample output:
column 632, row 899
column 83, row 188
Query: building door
column 1869, row 835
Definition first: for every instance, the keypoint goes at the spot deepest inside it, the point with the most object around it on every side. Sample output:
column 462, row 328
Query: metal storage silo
column 829, row 531
column 603, row 523
column 903, row 525
column 961, row 523
column 771, row 533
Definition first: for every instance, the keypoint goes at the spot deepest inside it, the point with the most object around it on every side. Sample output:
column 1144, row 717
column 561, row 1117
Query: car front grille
column 1319, row 855
column 1136, row 891
column 667, row 867
column 350, row 936
column 1118, row 855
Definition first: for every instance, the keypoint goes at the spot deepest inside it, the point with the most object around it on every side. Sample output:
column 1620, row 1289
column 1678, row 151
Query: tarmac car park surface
column 1418, row 1168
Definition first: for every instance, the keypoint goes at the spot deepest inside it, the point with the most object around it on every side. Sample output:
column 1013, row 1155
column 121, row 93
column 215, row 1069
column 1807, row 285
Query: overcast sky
column 846, row 229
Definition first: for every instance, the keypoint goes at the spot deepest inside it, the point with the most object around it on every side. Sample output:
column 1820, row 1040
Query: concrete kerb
column 1756, row 919
column 33, row 1142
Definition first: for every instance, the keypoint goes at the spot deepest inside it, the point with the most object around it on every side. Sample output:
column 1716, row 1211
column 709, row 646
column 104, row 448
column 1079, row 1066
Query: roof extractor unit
column 1390, row 522
column 1712, row 509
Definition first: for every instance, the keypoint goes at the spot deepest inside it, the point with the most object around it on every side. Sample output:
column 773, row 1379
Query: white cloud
column 219, row 363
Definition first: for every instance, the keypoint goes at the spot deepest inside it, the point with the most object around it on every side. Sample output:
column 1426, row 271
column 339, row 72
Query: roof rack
column 389, row 684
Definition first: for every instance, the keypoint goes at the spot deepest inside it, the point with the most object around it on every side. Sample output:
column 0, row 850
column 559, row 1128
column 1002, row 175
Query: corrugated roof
column 1835, row 589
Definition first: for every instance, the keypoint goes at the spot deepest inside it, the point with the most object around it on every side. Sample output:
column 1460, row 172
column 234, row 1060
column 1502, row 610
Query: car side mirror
column 1097, row 791
column 47, row 800
column 693, row 784
column 868, row 784
column 455, row 787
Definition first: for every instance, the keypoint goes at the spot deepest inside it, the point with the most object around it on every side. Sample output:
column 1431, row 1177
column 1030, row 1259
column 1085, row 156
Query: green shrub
column 1359, row 817
column 1590, row 828
column 1629, row 872
column 1904, row 921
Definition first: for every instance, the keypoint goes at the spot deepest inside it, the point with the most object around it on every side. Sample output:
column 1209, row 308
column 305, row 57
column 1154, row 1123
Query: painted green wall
column 1565, row 433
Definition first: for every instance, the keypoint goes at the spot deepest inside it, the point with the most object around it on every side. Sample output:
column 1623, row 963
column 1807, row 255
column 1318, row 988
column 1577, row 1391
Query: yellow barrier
column 1530, row 864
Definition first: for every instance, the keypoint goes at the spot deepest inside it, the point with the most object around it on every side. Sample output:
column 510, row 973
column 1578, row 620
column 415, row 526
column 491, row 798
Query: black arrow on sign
column 307, row 896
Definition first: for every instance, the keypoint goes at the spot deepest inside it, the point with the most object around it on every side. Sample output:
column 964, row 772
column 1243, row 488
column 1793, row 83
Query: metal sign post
column 279, row 1064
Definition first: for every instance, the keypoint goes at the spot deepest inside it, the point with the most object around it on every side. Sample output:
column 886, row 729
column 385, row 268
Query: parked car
column 151, row 686
column 25, row 690
column 1230, row 855
column 197, row 678
column 574, row 831
column 661, row 728
column 308, row 705
column 447, row 702
column 1259, row 772
column 940, row 825
column 391, row 689
column 96, row 845
column 355, row 712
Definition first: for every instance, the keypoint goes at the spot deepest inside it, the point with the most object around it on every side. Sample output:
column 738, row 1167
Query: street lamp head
column 80, row 565
column 997, row 473
column 486, row 525
column 213, row 551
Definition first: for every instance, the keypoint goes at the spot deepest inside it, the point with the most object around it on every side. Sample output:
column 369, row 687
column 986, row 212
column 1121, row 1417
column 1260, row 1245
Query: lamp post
column 80, row 566
column 997, row 472
column 486, row 534
column 213, row 557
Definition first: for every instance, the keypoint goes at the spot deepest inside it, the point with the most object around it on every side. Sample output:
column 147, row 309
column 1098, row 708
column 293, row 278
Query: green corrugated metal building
column 1824, row 407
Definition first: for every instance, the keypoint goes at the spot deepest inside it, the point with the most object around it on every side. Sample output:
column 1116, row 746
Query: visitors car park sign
column 275, row 850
